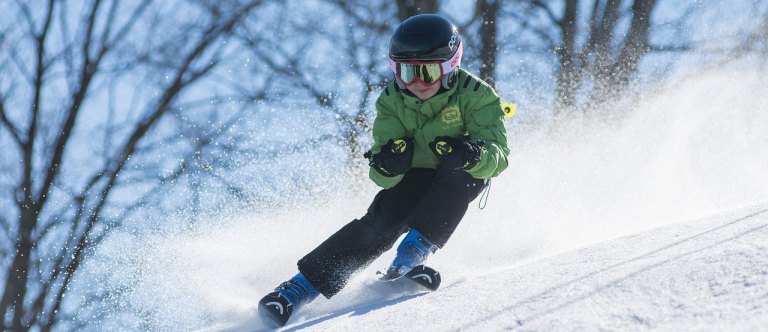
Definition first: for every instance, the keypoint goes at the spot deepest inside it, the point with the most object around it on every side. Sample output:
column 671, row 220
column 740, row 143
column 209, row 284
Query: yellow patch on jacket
column 451, row 116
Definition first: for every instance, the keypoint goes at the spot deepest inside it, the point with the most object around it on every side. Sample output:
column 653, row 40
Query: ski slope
column 704, row 274
column 657, row 222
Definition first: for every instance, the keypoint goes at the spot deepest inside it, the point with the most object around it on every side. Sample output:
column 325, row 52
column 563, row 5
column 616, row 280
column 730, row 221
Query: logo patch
column 277, row 305
column 454, row 39
column 451, row 116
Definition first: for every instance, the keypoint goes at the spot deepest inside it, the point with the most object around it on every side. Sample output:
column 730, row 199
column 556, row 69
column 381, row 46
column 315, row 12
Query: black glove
column 394, row 159
column 456, row 153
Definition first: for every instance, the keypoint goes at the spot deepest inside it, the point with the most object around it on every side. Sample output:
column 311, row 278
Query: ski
column 421, row 275
column 275, row 308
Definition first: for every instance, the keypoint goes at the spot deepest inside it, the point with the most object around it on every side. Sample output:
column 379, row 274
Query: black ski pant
column 430, row 201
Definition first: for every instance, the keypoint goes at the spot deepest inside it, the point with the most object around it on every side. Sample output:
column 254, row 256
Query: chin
column 425, row 95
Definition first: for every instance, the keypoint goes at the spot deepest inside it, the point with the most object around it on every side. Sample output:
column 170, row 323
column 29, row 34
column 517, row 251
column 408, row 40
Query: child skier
column 438, row 137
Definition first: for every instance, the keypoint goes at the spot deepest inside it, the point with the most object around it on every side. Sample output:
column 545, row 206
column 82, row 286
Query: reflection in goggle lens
column 428, row 73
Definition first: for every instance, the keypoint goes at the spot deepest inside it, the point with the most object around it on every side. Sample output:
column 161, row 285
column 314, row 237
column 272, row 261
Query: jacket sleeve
column 486, row 123
column 386, row 126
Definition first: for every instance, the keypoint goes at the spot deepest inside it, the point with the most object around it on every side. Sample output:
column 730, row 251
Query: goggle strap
column 393, row 66
column 454, row 61
column 447, row 66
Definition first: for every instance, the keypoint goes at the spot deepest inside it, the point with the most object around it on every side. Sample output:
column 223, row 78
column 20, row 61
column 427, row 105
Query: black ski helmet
column 424, row 37
column 427, row 37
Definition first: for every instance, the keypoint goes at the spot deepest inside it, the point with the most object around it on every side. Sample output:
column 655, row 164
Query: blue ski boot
column 287, row 298
column 412, row 251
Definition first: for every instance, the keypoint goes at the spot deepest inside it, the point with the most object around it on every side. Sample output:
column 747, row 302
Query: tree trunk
column 489, row 12
column 599, row 67
column 569, row 75
column 18, row 273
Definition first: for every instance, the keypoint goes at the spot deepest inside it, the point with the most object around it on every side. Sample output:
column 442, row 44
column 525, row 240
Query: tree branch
column 359, row 21
column 88, row 70
column 549, row 13
column 15, row 134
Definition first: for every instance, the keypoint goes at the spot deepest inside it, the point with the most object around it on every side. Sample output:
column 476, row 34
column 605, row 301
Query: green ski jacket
column 471, row 107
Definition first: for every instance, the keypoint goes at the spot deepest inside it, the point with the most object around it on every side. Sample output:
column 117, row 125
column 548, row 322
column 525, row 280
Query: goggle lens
column 429, row 73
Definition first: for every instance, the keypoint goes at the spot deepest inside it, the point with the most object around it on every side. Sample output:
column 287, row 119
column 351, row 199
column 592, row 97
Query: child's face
column 423, row 91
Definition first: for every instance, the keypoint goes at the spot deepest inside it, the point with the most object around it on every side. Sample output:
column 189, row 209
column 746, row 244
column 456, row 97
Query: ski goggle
column 428, row 72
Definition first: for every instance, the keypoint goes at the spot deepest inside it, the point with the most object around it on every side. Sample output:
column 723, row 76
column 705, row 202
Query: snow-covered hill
column 599, row 227
column 704, row 274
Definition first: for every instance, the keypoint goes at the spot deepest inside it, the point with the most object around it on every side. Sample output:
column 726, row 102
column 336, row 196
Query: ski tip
column 275, row 310
column 422, row 275
column 425, row 276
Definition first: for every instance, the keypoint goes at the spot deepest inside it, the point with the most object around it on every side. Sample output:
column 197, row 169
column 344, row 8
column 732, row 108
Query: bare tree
column 83, row 152
column 598, row 56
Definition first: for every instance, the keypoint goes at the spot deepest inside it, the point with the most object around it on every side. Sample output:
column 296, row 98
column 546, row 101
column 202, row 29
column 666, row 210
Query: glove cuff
column 469, row 164
column 383, row 171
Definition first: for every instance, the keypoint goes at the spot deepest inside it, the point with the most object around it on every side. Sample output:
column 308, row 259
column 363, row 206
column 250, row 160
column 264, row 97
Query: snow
column 659, row 222
column 704, row 274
